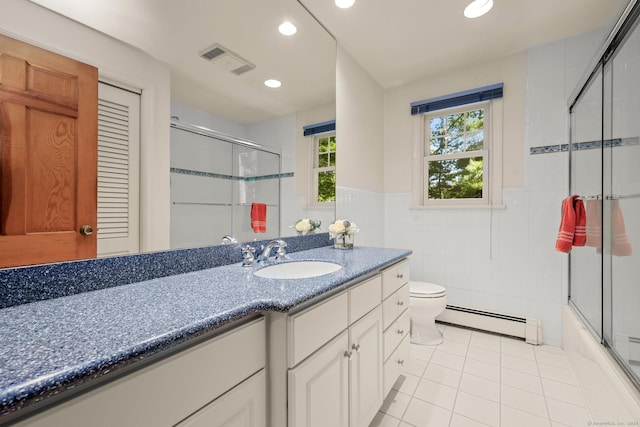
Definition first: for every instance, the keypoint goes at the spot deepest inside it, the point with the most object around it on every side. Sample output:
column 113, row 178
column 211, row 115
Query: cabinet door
column 319, row 387
column 366, row 376
column 243, row 406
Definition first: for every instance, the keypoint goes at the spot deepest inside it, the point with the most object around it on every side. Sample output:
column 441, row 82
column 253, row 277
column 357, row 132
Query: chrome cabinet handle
column 348, row 354
column 399, row 275
column 356, row 347
column 400, row 362
column 400, row 303
column 400, row 331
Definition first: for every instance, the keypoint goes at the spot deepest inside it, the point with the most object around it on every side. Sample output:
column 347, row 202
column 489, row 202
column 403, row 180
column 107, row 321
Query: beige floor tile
column 487, row 356
column 511, row 417
column 485, row 341
column 448, row 360
column 395, row 404
column 556, row 373
column 383, row 420
column 521, row 380
column 482, row 369
column 436, row 393
column 423, row 414
column 414, row 366
column 421, row 352
column 531, row 403
column 458, row 420
column 442, row 375
column 561, row 391
column 518, row 364
column 556, row 359
column 406, row 383
column 518, row 349
column 457, row 335
column 566, row 413
column 477, row 408
column 480, row 387
column 453, row 347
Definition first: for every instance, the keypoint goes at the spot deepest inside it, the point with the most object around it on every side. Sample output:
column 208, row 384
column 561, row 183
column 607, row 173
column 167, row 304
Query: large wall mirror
column 219, row 54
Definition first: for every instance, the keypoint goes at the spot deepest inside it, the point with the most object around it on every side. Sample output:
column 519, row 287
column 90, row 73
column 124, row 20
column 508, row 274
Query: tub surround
column 53, row 345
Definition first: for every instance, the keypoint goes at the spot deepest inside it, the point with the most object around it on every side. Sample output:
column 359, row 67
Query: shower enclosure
column 215, row 179
column 605, row 172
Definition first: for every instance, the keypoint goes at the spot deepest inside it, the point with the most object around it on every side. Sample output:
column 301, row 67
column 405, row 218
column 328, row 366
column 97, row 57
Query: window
column 458, row 145
column 455, row 154
column 324, row 169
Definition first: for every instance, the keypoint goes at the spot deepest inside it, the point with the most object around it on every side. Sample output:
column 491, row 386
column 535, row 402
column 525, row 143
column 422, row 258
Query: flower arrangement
column 342, row 233
column 306, row 226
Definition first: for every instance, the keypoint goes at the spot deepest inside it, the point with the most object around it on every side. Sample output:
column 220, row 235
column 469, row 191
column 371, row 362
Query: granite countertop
column 49, row 346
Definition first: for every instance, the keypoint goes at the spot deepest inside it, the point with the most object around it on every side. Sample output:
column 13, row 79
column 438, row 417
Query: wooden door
column 48, row 156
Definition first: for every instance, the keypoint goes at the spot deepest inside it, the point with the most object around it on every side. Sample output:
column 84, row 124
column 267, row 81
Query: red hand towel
column 594, row 223
column 580, row 236
column 567, row 226
column 259, row 217
column 621, row 245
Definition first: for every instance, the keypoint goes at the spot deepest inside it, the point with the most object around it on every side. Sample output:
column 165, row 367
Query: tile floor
column 478, row 379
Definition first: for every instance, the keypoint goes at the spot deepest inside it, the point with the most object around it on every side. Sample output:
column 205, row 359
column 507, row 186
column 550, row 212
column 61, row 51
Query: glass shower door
column 621, row 177
column 586, row 181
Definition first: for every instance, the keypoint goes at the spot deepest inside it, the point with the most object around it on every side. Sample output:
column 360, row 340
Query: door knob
column 86, row 230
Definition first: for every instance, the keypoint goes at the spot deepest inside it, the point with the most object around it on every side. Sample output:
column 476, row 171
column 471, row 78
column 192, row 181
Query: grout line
column 544, row 395
column 455, row 400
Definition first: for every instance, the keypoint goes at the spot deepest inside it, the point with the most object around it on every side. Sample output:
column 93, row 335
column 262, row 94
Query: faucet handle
column 247, row 255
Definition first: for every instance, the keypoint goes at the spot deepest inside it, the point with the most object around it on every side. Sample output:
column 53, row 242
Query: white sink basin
column 297, row 270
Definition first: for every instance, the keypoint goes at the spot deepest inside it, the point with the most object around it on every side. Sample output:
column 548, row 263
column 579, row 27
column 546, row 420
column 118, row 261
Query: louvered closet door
column 118, row 171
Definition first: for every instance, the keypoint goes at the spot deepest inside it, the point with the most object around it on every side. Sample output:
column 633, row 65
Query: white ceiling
column 397, row 41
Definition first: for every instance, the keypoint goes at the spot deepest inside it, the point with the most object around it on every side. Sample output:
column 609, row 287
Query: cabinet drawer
column 311, row 328
column 394, row 277
column 168, row 391
column 393, row 365
column 245, row 405
column 364, row 297
column 395, row 305
column 396, row 332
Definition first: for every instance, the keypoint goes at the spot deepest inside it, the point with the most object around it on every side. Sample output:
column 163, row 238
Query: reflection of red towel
column 580, row 237
column 621, row 245
column 594, row 223
column 567, row 226
column 259, row 217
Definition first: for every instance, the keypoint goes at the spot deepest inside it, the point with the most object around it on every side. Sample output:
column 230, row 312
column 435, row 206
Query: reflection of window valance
column 456, row 99
column 319, row 128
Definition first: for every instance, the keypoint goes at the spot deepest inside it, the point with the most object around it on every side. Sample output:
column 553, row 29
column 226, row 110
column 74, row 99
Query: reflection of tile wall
column 620, row 142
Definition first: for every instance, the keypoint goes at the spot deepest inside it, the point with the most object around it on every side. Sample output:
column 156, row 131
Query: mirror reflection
column 204, row 63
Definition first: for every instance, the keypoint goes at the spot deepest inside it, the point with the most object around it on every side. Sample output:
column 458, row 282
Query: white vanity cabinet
column 337, row 380
column 219, row 382
column 395, row 314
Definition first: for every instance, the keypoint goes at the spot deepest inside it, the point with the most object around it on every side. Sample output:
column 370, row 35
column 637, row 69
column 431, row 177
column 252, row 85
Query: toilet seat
column 426, row 290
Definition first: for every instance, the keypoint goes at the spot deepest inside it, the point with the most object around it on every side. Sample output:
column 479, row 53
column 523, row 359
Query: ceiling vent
column 227, row 59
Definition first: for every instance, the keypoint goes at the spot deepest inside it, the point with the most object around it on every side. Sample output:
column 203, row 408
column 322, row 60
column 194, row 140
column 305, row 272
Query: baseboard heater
column 499, row 323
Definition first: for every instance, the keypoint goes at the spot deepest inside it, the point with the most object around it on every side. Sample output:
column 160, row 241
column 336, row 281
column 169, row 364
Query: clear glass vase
column 343, row 241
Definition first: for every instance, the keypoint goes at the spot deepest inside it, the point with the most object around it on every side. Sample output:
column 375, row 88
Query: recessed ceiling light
column 478, row 8
column 345, row 4
column 272, row 83
column 287, row 28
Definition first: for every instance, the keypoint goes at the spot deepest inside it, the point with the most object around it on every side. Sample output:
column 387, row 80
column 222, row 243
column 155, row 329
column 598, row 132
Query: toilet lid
column 426, row 290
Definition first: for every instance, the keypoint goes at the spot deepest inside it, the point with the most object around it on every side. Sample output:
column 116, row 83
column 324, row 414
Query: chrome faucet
column 228, row 240
column 247, row 255
column 281, row 244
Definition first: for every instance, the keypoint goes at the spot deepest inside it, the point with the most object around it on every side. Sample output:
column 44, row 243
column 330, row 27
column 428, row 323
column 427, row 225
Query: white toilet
column 426, row 301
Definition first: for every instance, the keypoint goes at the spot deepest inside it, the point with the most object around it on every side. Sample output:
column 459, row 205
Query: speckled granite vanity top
column 49, row 346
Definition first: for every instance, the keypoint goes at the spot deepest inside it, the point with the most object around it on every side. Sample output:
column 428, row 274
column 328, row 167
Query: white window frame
column 492, row 158
column 315, row 171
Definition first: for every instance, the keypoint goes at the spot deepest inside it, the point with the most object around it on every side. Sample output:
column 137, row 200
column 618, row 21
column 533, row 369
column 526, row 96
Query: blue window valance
column 456, row 99
column 319, row 128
